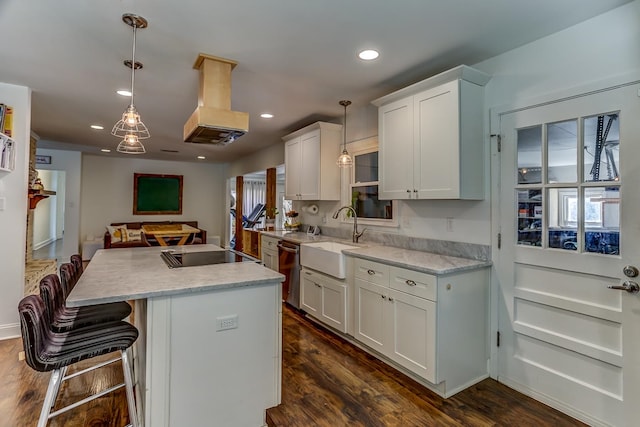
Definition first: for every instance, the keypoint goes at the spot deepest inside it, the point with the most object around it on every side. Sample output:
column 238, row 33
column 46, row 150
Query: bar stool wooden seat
column 63, row 318
column 46, row 350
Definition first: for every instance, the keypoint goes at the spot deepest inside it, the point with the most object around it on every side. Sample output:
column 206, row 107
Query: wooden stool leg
column 128, row 380
column 49, row 398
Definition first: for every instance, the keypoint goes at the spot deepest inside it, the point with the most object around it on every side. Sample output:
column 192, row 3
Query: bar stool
column 76, row 260
column 46, row 350
column 68, row 277
column 63, row 318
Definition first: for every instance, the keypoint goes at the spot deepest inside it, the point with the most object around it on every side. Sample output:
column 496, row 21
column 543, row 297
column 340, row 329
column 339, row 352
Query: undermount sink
column 325, row 257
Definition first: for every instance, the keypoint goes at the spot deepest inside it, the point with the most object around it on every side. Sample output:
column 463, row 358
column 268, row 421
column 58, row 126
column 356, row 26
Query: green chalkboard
column 157, row 194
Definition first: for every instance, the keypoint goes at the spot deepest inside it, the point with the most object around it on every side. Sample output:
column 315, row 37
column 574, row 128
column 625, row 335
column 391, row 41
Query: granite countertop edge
column 424, row 262
column 179, row 290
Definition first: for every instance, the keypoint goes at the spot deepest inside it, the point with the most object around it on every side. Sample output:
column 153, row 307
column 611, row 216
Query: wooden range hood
column 213, row 122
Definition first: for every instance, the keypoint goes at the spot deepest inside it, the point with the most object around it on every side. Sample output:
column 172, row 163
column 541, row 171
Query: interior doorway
column 48, row 217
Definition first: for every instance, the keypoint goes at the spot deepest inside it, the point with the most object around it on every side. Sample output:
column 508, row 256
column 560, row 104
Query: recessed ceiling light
column 266, row 115
column 97, row 127
column 124, row 92
column 368, row 54
column 201, row 157
column 105, row 150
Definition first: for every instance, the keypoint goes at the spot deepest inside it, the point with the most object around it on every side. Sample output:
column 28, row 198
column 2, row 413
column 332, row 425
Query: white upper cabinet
column 431, row 138
column 310, row 155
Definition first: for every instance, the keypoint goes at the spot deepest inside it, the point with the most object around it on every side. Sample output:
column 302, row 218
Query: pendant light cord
column 133, row 63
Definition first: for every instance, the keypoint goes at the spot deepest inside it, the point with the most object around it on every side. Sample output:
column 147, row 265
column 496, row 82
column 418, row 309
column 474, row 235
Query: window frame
column 359, row 148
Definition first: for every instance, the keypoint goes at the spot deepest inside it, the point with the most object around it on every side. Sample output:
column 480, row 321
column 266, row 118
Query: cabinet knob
column 408, row 191
column 317, row 285
column 410, row 282
column 371, row 272
column 390, row 299
column 415, row 191
column 383, row 297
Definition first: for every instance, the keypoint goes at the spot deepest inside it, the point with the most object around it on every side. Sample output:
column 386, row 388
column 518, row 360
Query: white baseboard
column 42, row 244
column 12, row 330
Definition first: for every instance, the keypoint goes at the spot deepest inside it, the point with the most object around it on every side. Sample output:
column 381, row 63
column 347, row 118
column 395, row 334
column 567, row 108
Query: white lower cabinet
column 433, row 326
column 324, row 298
column 269, row 252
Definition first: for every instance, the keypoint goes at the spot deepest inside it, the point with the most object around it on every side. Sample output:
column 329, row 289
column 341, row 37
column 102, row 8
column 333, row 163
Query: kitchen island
column 209, row 350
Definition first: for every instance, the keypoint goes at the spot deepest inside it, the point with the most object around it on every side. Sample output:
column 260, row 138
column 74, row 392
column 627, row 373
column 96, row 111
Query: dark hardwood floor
column 326, row 382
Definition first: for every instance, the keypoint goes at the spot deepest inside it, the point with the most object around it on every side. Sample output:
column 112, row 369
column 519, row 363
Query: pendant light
column 130, row 127
column 345, row 160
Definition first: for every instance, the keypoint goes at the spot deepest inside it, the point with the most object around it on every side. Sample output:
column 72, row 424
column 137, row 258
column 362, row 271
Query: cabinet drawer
column 413, row 282
column 372, row 272
column 269, row 242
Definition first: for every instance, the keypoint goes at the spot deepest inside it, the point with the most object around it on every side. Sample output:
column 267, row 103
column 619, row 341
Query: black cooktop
column 189, row 259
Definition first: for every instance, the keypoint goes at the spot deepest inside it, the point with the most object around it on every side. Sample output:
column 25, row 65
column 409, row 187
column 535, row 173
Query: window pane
column 562, row 146
column 602, row 148
column 602, row 220
column 364, row 200
column 529, row 217
column 366, row 167
column 562, row 217
column 530, row 155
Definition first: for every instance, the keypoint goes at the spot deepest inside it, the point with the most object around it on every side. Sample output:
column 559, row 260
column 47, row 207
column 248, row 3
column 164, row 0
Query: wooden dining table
column 164, row 232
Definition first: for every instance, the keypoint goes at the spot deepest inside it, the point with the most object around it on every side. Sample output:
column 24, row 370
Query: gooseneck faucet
column 356, row 235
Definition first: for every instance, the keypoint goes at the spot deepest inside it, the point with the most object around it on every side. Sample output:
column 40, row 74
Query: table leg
column 161, row 240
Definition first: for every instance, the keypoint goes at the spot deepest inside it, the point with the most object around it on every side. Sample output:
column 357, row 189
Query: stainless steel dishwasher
column 289, row 265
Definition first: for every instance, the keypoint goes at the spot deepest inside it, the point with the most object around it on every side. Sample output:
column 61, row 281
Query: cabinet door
column 395, row 128
column 334, row 305
column 414, row 333
column 437, row 136
column 270, row 259
column 370, row 326
column 310, row 295
column 309, row 174
column 293, row 168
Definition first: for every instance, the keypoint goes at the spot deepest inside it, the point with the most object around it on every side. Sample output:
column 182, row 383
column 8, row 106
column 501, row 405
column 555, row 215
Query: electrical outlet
column 324, row 219
column 449, row 224
column 226, row 322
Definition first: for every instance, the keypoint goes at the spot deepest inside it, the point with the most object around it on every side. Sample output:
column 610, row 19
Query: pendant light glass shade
column 130, row 127
column 345, row 160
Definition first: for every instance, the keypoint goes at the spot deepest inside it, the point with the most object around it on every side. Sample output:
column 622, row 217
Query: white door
column 569, row 207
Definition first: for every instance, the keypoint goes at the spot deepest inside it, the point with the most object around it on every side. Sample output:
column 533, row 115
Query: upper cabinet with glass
column 431, row 138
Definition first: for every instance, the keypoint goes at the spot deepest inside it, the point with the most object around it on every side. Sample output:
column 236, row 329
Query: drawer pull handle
column 371, row 272
column 410, row 282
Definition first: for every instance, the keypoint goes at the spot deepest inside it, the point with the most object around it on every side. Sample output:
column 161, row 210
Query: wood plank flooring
column 326, row 382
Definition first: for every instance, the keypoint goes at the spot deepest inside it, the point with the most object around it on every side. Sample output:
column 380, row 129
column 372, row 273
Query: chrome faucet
column 356, row 235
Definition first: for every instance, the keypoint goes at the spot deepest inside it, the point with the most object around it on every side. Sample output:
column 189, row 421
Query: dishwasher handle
column 288, row 249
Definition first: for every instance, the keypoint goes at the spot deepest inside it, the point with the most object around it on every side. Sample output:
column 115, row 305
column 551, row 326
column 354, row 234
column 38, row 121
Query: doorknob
column 629, row 286
column 630, row 271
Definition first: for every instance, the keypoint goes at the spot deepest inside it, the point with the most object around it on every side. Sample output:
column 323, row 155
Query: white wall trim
column 10, row 330
column 43, row 243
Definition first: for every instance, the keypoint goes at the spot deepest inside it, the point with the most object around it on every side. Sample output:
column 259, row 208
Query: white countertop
column 425, row 262
column 137, row 273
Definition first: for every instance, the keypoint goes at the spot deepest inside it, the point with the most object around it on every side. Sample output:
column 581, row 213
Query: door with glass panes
column 569, row 209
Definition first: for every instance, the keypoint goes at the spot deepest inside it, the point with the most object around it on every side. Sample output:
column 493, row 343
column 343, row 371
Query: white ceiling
column 296, row 58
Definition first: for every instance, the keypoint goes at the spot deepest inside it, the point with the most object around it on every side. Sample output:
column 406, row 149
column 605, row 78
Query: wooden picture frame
column 155, row 194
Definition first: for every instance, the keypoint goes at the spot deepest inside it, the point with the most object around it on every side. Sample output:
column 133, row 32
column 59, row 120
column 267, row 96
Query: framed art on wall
column 157, row 194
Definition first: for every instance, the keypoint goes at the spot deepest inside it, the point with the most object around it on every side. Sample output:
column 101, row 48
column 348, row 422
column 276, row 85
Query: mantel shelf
column 36, row 195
